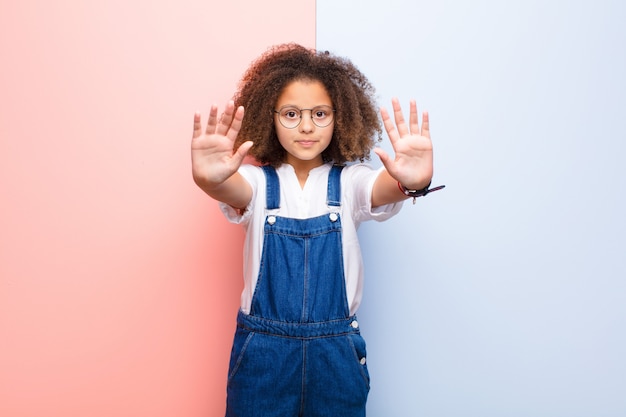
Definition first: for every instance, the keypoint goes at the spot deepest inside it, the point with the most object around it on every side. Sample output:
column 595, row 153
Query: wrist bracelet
column 418, row 193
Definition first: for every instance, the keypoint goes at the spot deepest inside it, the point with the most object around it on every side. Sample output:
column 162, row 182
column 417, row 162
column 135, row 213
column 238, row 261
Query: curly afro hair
column 356, row 125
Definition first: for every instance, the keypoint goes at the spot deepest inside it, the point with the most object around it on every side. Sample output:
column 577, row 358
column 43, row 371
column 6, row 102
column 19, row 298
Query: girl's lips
column 306, row 142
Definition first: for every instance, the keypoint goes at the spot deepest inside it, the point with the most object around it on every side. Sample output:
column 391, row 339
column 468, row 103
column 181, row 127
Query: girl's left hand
column 413, row 162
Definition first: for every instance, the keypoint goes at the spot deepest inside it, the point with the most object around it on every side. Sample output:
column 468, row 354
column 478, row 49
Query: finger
column 235, row 125
column 425, row 125
column 197, row 126
column 225, row 119
column 403, row 129
column 413, row 120
column 211, row 124
column 390, row 128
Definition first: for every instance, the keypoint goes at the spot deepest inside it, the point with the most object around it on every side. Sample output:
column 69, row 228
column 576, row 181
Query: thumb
column 242, row 151
column 384, row 157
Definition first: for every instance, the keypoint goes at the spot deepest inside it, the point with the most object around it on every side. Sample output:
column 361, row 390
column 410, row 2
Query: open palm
column 213, row 159
column 412, row 164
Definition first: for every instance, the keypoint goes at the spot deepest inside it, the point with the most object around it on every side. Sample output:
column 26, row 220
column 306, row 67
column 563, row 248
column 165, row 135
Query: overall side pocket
column 240, row 344
column 360, row 355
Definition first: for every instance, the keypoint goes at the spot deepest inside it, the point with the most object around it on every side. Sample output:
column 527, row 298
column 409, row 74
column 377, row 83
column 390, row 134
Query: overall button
column 354, row 324
column 271, row 219
column 333, row 217
column 362, row 360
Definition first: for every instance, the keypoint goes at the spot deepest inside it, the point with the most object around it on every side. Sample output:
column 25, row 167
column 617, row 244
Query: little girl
column 310, row 121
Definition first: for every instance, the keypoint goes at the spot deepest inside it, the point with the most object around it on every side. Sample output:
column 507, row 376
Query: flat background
column 501, row 296
column 504, row 294
column 119, row 278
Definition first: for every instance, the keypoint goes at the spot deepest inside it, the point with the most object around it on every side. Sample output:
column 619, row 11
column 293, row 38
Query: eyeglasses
column 290, row 116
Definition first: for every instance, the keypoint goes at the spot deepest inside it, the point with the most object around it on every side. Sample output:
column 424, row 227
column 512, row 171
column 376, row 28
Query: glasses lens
column 322, row 116
column 289, row 117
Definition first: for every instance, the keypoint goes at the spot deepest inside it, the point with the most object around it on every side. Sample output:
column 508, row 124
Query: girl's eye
column 291, row 114
column 319, row 114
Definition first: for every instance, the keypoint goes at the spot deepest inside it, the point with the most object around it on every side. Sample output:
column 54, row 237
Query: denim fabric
column 299, row 353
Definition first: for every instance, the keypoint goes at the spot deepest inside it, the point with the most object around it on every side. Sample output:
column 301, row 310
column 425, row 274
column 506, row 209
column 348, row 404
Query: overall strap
column 272, row 189
column 333, row 197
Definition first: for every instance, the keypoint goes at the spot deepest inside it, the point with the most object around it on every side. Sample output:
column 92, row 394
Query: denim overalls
column 299, row 352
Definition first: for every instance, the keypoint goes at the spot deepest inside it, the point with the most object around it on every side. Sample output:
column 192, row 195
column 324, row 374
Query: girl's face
column 306, row 102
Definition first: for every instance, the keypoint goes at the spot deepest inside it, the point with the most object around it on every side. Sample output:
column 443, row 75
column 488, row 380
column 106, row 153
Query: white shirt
column 296, row 202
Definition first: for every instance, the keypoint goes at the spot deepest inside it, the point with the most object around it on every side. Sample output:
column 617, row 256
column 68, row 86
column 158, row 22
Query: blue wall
column 505, row 294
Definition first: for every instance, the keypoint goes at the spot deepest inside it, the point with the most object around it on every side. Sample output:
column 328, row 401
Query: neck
column 302, row 168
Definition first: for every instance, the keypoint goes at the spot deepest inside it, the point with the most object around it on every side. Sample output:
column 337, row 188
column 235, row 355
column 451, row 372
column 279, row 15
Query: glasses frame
column 332, row 115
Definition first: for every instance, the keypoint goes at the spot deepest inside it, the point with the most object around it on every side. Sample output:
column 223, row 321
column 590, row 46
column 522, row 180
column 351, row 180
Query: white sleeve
column 254, row 176
column 359, row 181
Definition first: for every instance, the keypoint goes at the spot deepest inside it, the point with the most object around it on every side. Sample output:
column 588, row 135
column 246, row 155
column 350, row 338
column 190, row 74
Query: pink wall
column 119, row 279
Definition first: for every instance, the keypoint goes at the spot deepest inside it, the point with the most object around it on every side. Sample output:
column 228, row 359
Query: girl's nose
column 306, row 124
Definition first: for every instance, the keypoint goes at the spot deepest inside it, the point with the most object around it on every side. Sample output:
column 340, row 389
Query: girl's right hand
column 213, row 159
